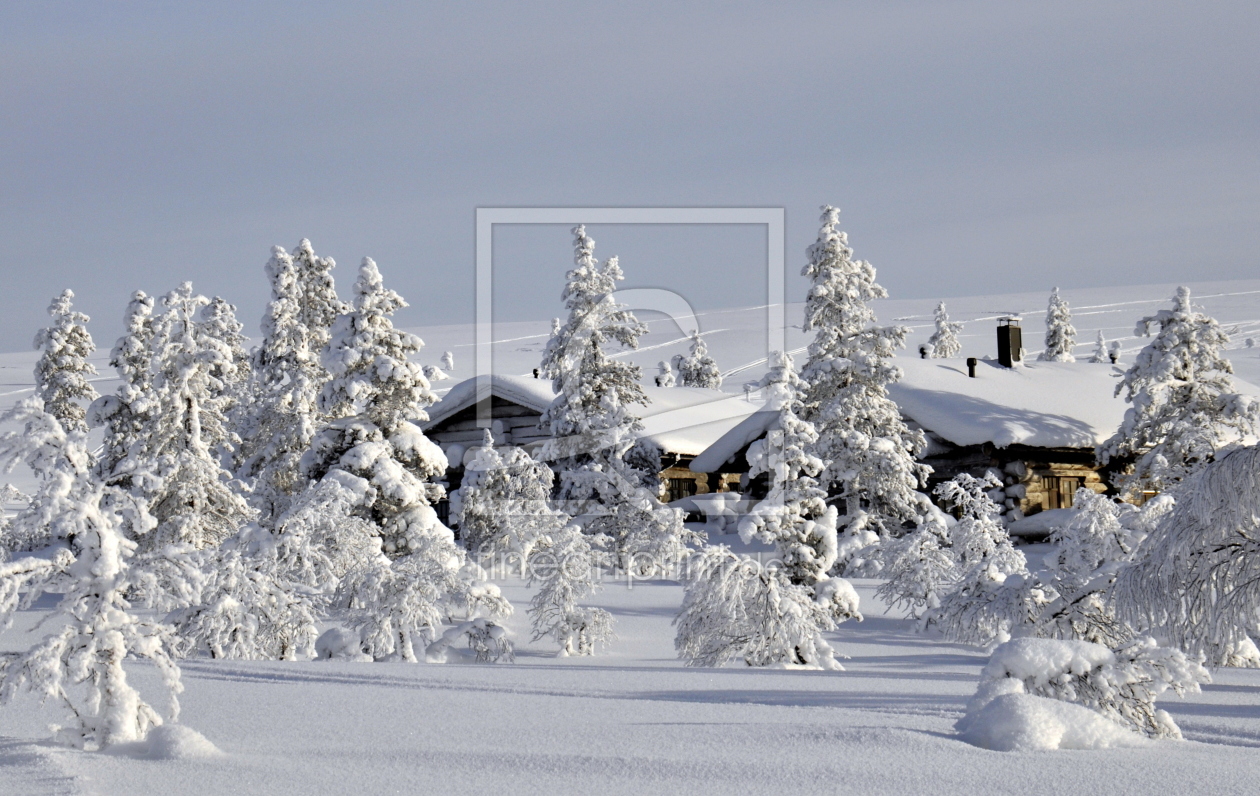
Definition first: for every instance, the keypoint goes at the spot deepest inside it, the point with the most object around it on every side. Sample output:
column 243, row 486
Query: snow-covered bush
column 1196, row 579
column 1185, row 406
column 80, row 664
column 994, row 592
column 1121, row 685
column 869, row 450
column 487, row 641
column 944, row 341
column 921, row 567
column 697, row 368
column 61, row 374
column 448, row 361
column 505, row 513
column 591, row 425
column 1060, row 334
column 665, row 376
column 736, row 608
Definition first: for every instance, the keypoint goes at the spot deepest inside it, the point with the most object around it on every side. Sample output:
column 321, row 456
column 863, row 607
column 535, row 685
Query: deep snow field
column 633, row 719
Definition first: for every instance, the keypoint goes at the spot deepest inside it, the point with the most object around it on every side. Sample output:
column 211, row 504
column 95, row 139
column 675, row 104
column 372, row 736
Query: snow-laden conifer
column 591, row 422
column 697, row 368
column 61, row 374
column 318, row 303
column 1196, row 579
column 944, row 340
column 277, row 423
column 1100, row 355
column 1060, row 334
column 173, row 466
column 60, row 460
column 125, row 414
column 870, row 451
column 1185, row 406
column 81, row 663
column 505, row 514
column 377, row 395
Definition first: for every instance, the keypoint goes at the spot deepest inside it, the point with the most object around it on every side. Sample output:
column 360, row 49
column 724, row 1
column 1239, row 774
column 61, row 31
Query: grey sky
column 973, row 147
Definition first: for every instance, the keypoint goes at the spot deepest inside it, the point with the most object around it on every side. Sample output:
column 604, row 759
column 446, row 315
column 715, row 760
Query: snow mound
column 1016, row 722
column 337, row 643
column 169, row 742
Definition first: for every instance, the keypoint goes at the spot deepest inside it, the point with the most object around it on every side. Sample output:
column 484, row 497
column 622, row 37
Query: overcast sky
column 973, row 147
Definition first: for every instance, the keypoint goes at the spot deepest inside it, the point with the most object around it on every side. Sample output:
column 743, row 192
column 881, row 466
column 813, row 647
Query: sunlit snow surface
column 633, row 719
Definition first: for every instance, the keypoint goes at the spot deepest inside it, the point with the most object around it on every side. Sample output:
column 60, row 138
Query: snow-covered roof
column 1040, row 404
column 733, row 441
column 524, row 390
column 682, row 420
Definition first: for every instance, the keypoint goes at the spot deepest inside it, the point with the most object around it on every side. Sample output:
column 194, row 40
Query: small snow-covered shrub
column 487, row 641
column 944, row 341
column 1121, row 685
column 734, row 607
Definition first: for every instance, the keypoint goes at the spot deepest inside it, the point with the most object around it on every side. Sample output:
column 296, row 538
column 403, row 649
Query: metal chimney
column 1010, row 341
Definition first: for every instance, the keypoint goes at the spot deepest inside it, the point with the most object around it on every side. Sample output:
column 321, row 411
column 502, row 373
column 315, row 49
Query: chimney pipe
column 1010, row 341
column 971, row 366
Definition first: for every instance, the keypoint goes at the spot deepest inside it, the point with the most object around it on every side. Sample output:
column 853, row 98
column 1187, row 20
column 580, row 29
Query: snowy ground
column 633, row 719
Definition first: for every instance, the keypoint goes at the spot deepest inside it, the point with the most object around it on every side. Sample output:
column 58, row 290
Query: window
column 1058, row 491
column 679, row 488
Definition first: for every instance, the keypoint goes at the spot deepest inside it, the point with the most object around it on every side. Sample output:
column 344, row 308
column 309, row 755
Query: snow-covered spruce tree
column 698, row 369
column 1185, row 407
column 173, row 466
column 277, row 423
column 944, row 340
column 794, row 516
column 317, row 294
column 81, row 664
column 736, row 608
column 1060, row 334
column 377, row 395
column 1100, row 355
column 505, row 512
column 63, row 465
column 1196, row 579
column 665, row 376
column 62, row 370
column 125, row 414
column 870, row 452
column 591, row 425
